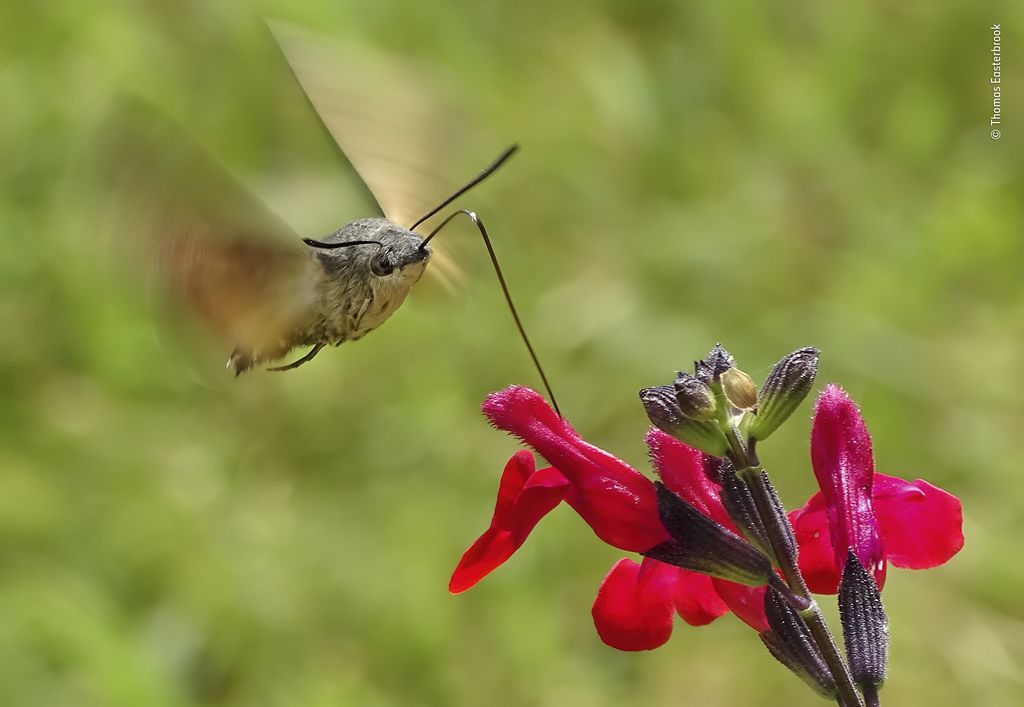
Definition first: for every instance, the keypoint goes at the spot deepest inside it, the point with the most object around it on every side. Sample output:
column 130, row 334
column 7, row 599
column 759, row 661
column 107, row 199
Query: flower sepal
column 664, row 412
column 699, row 544
column 789, row 640
column 739, row 504
column 865, row 625
column 783, row 391
column 696, row 401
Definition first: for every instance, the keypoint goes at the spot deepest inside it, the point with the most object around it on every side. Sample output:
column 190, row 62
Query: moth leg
column 240, row 362
column 295, row 364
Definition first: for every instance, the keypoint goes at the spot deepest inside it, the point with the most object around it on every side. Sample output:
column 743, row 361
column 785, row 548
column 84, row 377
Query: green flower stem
column 750, row 471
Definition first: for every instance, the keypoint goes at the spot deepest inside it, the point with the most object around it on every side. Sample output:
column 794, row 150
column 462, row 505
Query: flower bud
column 786, row 387
column 717, row 362
column 865, row 625
column 696, row 401
column 664, row 412
column 739, row 389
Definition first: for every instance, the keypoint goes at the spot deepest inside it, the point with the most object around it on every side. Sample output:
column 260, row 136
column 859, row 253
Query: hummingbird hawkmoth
column 246, row 274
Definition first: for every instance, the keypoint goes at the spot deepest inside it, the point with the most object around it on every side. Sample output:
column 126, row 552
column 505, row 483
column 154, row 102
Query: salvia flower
column 881, row 518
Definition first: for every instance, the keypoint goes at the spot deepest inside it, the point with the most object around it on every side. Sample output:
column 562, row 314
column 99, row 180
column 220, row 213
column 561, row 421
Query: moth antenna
column 497, row 271
column 487, row 171
column 331, row 246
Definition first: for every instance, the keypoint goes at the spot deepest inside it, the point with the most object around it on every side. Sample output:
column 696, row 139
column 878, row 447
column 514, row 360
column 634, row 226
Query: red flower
column 615, row 499
column 913, row 525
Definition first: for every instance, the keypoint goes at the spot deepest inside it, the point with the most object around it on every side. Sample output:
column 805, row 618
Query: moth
column 255, row 282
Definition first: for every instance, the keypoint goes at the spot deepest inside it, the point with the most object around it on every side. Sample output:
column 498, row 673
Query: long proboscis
column 484, row 174
column 501, row 277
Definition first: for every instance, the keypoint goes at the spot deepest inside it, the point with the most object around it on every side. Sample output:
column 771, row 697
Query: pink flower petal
column 922, row 525
column 489, row 552
column 817, row 559
column 682, row 469
column 614, row 499
column 695, row 598
column 524, row 497
column 634, row 608
column 746, row 602
column 843, row 464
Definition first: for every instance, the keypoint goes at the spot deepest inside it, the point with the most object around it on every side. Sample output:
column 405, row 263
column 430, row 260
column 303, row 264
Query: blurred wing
column 211, row 245
column 249, row 294
column 387, row 115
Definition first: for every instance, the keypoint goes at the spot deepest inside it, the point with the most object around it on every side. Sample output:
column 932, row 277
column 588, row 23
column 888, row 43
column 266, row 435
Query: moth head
column 380, row 250
column 401, row 253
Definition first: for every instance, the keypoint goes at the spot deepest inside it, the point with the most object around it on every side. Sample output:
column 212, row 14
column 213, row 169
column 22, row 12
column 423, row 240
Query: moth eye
column 381, row 265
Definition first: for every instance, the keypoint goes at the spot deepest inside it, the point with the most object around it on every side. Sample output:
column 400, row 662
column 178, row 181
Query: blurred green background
column 767, row 175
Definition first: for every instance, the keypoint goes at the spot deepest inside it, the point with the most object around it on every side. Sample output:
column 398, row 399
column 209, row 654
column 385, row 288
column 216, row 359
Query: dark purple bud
column 865, row 625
